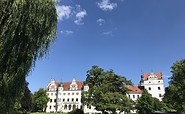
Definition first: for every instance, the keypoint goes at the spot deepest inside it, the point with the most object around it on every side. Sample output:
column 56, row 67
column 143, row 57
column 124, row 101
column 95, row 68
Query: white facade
column 134, row 92
column 154, row 83
column 51, row 105
column 134, row 96
column 66, row 96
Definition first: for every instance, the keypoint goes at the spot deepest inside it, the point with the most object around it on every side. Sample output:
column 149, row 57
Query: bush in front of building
column 77, row 111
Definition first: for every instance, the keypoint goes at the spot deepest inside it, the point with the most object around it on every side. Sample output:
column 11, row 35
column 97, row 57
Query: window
column 159, row 88
column 50, row 100
column 160, row 95
column 73, row 87
column 76, row 99
column 69, row 107
column 72, row 99
column 49, row 107
column 55, row 100
column 63, row 99
column 68, row 93
column 52, row 87
column 129, row 96
column 149, row 88
column 89, row 107
column 77, row 93
column 65, row 106
column 51, row 94
column 74, row 107
column 72, row 93
column 64, row 93
column 137, row 96
column 67, row 99
column 133, row 96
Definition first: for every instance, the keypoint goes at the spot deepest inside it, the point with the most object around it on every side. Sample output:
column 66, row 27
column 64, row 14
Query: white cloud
column 64, row 12
column 107, row 33
column 81, row 14
column 100, row 21
column 79, row 17
column 67, row 32
column 106, row 5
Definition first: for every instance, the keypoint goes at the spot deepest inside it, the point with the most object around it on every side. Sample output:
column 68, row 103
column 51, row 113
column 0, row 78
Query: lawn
column 46, row 113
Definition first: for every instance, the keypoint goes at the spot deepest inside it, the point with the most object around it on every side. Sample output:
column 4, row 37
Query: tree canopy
column 26, row 29
column 24, row 104
column 40, row 100
column 107, row 91
column 147, row 104
column 175, row 93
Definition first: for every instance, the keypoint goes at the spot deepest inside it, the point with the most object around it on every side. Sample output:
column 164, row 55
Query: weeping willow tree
column 26, row 29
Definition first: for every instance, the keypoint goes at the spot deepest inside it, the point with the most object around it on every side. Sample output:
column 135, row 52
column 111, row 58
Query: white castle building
column 152, row 82
column 66, row 96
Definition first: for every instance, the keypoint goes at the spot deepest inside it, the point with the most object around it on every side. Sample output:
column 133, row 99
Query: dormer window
column 152, row 76
column 86, row 88
column 52, row 88
column 73, row 85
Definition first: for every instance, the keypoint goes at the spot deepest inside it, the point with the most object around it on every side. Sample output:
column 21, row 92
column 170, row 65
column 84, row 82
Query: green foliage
column 40, row 100
column 107, row 91
column 26, row 100
column 24, row 104
column 175, row 93
column 146, row 104
column 26, row 29
column 77, row 111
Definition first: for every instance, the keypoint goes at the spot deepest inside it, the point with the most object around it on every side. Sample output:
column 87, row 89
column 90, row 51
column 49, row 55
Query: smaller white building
column 134, row 92
column 154, row 83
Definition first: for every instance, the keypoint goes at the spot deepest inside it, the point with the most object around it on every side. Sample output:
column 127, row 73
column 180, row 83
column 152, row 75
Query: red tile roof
column 67, row 85
column 158, row 74
column 134, row 89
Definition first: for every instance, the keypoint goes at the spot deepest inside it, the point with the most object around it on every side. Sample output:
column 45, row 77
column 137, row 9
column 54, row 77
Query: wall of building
column 134, row 96
column 69, row 100
column 62, row 100
column 155, row 86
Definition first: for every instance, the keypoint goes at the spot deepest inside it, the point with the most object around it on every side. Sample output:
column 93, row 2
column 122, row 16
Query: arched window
column 69, row 107
column 74, row 107
column 65, row 107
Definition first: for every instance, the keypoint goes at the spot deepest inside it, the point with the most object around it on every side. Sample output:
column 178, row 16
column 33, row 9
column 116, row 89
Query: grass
column 46, row 113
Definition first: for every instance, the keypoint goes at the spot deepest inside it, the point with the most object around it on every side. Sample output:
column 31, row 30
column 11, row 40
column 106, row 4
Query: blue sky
column 129, row 36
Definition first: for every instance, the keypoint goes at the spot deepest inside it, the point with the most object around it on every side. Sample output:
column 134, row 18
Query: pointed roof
column 157, row 74
column 66, row 85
